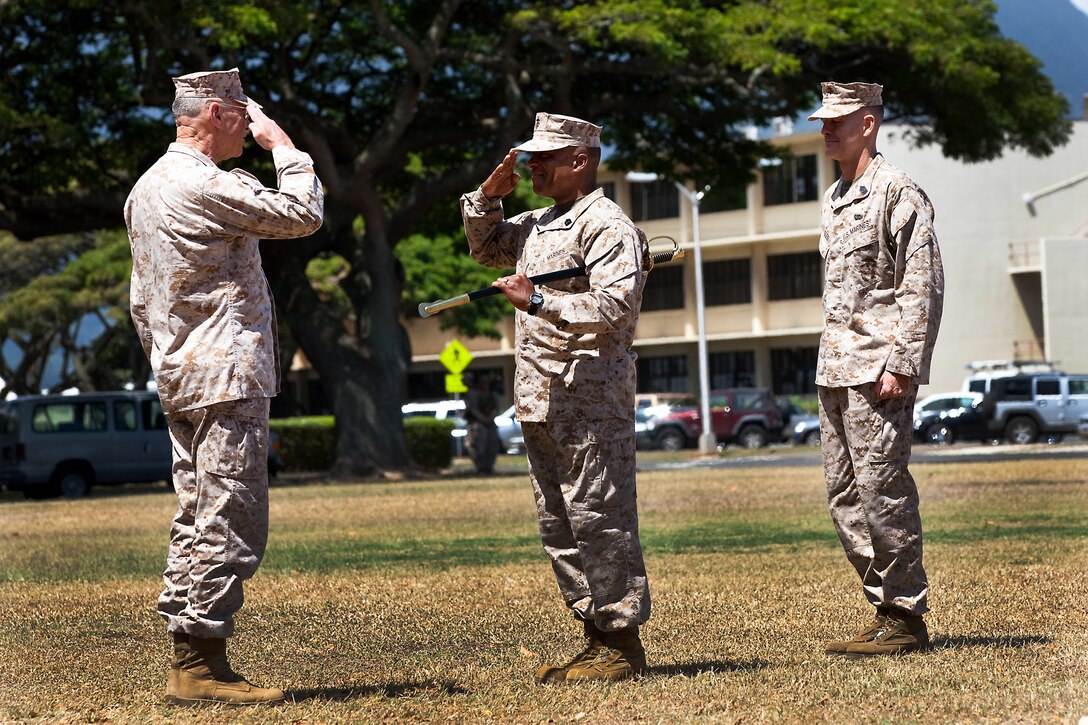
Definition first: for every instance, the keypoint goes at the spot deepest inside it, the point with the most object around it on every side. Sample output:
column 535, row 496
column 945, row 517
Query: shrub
column 429, row 441
column 306, row 443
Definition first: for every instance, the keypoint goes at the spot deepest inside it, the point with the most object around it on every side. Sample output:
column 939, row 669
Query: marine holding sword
column 574, row 382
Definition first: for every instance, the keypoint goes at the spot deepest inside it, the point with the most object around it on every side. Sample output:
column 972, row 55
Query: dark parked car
column 805, row 430
column 747, row 417
column 948, row 417
column 801, row 428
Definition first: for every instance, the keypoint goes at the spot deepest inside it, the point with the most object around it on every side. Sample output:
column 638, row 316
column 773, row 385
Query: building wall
column 1015, row 281
column 1065, row 300
column 992, row 252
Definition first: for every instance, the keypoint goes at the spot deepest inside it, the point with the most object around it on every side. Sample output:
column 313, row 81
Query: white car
column 509, row 428
column 442, row 409
column 510, row 431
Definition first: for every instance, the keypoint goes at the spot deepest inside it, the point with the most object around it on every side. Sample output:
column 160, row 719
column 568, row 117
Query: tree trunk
column 363, row 373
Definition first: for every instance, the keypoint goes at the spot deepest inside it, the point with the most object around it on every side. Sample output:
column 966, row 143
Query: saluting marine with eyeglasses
column 204, row 314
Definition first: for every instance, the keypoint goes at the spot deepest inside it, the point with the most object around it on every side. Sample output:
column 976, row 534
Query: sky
column 1082, row 4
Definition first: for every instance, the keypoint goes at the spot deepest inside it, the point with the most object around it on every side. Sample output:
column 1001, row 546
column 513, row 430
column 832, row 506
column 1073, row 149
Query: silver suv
column 1024, row 407
column 64, row 444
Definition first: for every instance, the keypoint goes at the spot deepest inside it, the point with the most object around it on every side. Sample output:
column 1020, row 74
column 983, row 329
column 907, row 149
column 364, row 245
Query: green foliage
column 49, row 290
column 307, row 443
column 405, row 105
column 325, row 274
column 437, row 265
column 439, row 268
column 429, row 441
column 809, row 404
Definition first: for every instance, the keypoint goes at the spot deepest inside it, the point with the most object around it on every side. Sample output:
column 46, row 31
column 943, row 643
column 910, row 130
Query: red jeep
column 745, row 416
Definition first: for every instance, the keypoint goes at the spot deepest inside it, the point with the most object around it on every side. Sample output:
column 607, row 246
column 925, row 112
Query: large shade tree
column 406, row 104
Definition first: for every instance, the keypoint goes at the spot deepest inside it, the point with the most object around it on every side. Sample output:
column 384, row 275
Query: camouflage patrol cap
column 842, row 99
column 215, row 85
column 552, row 131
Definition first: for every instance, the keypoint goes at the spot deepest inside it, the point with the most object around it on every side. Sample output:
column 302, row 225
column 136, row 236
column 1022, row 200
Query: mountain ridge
column 1056, row 32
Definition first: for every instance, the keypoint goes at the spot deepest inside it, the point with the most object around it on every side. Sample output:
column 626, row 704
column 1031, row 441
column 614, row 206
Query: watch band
column 535, row 300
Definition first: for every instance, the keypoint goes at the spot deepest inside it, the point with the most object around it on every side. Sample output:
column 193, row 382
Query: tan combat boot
column 200, row 673
column 621, row 658
column 557, row 674
column 900, row 632
column 841, row 647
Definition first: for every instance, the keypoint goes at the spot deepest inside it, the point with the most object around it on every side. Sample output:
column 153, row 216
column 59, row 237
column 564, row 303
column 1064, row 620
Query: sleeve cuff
column 284, row 155
column 550, row 310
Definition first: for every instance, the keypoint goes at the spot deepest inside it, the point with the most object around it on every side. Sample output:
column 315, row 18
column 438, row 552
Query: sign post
column 456, row 358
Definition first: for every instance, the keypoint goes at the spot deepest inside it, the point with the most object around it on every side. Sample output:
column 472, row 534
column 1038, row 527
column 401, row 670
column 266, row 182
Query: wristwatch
column 535, row 301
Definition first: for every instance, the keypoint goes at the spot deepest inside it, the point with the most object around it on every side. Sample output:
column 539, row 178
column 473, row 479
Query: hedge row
column 309, row 443
column 306, row 443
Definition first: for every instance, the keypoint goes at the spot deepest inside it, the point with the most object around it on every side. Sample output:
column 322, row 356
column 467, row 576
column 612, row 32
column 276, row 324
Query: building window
column 790, row 180
column 724, row 198
column 794, row 276
column 664, row 290
column 654, row 200
column 734, row 369
column 793, row 370
column 663, row 374
column 728, row 282
column 609, row 189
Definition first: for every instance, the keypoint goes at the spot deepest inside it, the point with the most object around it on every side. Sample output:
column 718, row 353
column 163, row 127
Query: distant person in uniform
column 574, row 382
column 481, row 407
column 204, row 313
column 883, row 295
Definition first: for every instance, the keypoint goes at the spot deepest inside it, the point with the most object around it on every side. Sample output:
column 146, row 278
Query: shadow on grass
column 694, row 669
column 390, row 690
column 966, row 642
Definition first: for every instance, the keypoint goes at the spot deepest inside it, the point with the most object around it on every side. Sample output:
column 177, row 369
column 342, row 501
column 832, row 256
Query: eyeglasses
column 239, row 108
column 243, row 112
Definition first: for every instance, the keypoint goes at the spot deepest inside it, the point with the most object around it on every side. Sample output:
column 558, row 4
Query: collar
column 180, row 148
column 550, row 221
column 862, row 186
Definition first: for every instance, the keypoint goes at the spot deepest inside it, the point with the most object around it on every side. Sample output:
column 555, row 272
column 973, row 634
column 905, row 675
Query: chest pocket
column 862, row 261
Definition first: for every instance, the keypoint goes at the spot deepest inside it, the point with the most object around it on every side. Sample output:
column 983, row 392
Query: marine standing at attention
column 883, row 295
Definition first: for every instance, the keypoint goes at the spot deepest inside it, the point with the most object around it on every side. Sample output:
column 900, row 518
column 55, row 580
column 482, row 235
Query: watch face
column 536, row 298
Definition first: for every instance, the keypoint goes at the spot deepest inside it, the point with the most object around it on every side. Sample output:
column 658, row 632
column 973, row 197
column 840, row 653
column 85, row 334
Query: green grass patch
column 433, row 601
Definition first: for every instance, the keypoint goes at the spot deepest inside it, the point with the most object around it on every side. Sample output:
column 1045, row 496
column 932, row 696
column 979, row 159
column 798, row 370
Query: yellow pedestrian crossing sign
column 455, row 383
column 455, row 357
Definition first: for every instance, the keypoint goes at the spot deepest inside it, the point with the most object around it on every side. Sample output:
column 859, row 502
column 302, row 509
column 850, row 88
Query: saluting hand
column 503, row 179
column 266, row 132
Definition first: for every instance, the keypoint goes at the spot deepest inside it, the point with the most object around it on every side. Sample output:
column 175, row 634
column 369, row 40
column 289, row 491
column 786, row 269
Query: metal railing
column 1031, row 349
column 1024, row 254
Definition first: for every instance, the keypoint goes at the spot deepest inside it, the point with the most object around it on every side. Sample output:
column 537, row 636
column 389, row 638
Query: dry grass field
column 432, row 601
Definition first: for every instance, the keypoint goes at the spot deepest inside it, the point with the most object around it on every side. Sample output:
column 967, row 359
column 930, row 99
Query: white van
column 64, row 444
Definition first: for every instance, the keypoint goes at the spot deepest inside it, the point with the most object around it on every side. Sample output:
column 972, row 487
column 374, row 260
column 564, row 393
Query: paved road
column 960, row 452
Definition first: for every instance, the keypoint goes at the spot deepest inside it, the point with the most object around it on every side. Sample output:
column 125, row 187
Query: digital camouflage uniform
column 883, row 294
column 204, row 313
column 574, row 390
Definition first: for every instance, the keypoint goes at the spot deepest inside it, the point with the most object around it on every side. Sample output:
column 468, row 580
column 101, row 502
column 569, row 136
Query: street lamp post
column 708, row 442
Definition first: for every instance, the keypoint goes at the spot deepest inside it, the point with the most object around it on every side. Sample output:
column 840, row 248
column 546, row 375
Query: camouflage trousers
column 873, row 498
column 219, row 532
column 583, row 475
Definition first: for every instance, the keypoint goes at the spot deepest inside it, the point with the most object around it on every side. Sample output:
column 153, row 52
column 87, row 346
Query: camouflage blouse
column 573, row 357
column 199, row 298
column 883, row 279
